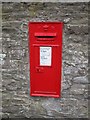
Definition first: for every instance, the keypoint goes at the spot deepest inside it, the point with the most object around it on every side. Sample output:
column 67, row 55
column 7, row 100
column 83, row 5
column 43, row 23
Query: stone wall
column 16, row 101
column 62, row 1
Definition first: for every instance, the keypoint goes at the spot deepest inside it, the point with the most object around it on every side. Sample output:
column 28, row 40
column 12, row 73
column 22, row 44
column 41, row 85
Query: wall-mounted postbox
column 45, row 43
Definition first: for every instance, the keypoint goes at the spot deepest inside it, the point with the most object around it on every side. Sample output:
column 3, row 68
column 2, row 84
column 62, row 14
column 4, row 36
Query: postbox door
column 45, row 79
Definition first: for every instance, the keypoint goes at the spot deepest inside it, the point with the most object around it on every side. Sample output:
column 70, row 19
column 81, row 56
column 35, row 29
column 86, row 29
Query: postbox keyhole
column 38, row 69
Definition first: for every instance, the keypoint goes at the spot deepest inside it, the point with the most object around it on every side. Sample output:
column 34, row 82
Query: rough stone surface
column 62, row 1
column 16, row 101
column 81, row 80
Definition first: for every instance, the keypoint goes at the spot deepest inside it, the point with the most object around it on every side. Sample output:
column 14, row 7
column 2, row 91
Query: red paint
column 45, row 80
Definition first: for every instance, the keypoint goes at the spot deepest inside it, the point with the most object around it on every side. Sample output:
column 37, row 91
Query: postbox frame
column 49, row 45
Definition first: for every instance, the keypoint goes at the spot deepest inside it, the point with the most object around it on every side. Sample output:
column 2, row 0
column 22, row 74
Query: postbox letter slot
column 45, row 36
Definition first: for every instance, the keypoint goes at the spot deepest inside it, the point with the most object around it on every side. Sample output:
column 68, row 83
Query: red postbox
column 45, row 43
